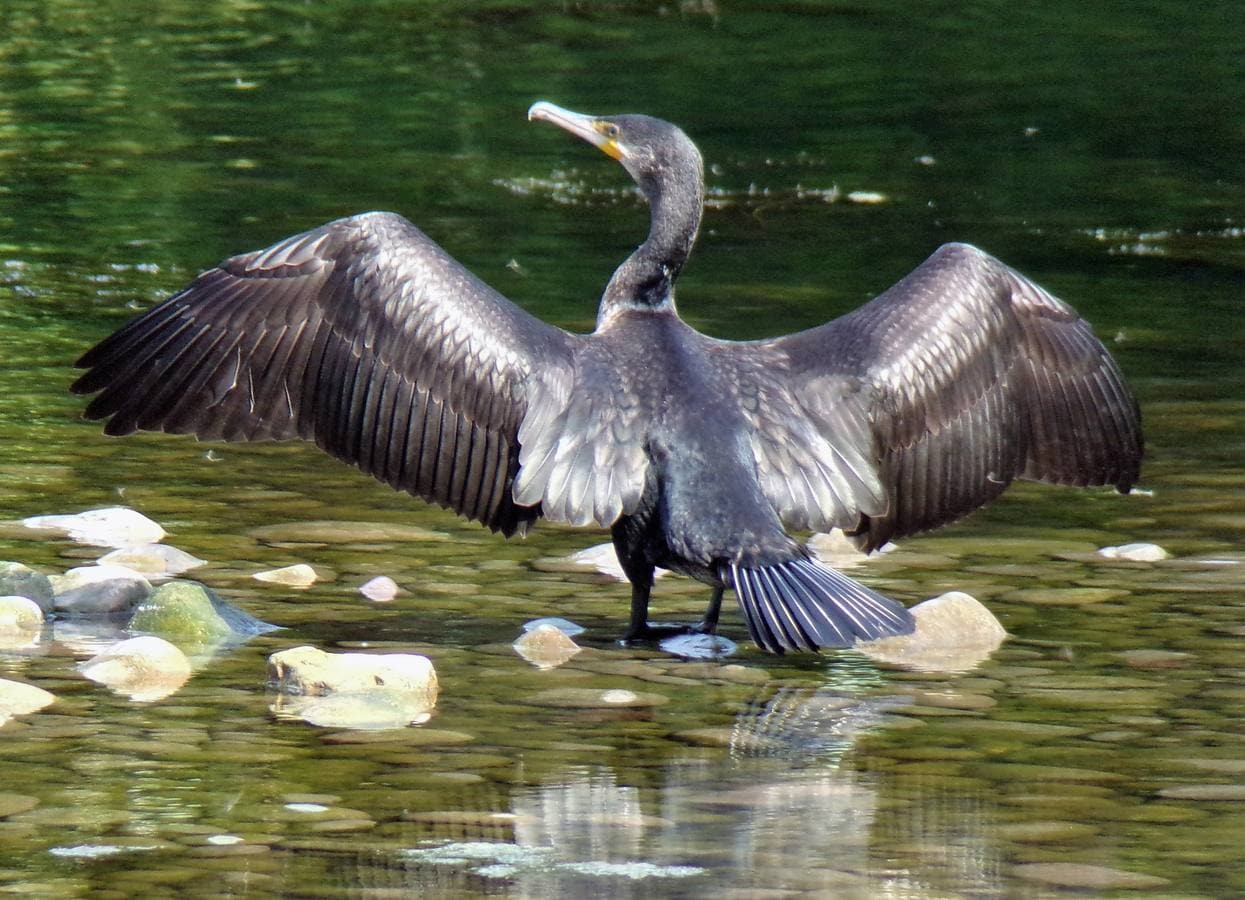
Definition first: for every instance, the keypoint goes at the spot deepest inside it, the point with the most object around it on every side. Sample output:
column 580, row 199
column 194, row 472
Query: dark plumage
column 367, row 338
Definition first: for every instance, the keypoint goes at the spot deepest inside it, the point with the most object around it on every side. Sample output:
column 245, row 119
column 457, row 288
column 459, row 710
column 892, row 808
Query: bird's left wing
column 362, row 335
column 928, row 401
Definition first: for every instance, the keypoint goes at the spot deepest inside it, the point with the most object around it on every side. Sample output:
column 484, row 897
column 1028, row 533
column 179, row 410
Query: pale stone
column 18, row 698
column 142, row 668
column 836, row 549
column 300, row 575
column 954, row 633
column 546, row 647
column 309, row 670
column 152, row 559
column 114, row 526
column 381, row 589
column 19, row 615
column 1135, row 552
column 603, row 558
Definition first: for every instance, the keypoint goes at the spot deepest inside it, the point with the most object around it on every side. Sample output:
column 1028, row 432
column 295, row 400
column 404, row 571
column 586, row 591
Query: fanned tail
column 802, row 605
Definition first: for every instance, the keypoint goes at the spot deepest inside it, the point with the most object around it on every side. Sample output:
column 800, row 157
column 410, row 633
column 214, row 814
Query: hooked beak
column 588, row 128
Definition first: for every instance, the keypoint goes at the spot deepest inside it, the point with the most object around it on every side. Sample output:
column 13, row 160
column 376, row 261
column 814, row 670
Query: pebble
column 590, row 698
column 333, row 532
column 152, row 560
column 1135, row 552
column 19, row 615
column 954, row 633
column 1086, row 877
column 1233, row 792
column 114, row 526
column 369, row 709
column 142, row 668
column 99, row 590
column 299, row 575
column 603, row 559
column 309, row 670
column 566, row 626
column 20, row 580
column 380, row 589
column 546, row 646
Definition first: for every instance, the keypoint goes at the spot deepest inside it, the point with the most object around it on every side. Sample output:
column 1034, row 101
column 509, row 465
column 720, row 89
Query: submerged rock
column 152, row 559
column 1135, row 552
column 18, row 699
column 20, row 580
column 113, row 526
column 194, row 617
column 372, row 709
column 546, row 646
column 299, row 575
column 142, row 668
column 99, row 590
column 954, row 633
column 309, row 670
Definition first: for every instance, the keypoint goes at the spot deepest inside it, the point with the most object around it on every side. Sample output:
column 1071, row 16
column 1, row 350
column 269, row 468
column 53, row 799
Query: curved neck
column 645, row 280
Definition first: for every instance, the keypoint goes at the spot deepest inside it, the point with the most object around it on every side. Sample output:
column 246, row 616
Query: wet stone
column 20, row 580
column 1086, row 877
column 99, row 590
column 546, row 647
column 152, row 560
column 335, row 532
column 11, row 804
column 1063, row 596
column 589, row 698
column 411, row 737
column 299, row 575
column 1040, row 832
column 1155, row 659
column 1213, row 792
column 114, row 526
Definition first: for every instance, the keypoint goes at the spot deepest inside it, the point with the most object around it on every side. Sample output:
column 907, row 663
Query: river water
column 1096, row 149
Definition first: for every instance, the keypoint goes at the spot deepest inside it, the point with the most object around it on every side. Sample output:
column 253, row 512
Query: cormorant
column 366, row 337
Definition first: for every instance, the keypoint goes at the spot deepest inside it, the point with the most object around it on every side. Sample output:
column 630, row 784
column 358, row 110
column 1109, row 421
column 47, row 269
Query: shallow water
column 1100, row 748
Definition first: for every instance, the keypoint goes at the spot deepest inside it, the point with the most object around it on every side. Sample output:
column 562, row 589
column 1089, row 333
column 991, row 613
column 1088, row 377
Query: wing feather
column 362, row 335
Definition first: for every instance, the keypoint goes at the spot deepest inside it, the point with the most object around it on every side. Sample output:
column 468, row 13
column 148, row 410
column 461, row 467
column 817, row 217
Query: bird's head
column 654, row 152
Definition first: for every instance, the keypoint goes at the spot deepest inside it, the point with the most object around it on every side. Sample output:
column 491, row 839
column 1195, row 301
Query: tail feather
column 802, row 605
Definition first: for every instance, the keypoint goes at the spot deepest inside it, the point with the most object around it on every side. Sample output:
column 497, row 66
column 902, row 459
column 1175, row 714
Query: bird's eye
column 611, row 130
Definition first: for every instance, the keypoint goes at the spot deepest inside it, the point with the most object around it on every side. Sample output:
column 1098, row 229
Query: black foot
column 662, row 630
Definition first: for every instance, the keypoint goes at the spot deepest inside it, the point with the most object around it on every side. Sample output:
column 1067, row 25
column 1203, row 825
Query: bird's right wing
column 362, row 335
column 962, row 377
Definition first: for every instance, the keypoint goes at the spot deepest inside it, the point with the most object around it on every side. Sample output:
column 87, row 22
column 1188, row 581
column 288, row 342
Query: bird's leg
column 709, row 624
column 640, row 590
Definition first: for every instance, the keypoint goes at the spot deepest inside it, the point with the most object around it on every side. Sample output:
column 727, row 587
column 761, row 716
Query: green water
column 1096, row 149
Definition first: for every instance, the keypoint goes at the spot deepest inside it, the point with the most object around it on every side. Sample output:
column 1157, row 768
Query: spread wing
column 362, row 335
column 962, row 377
